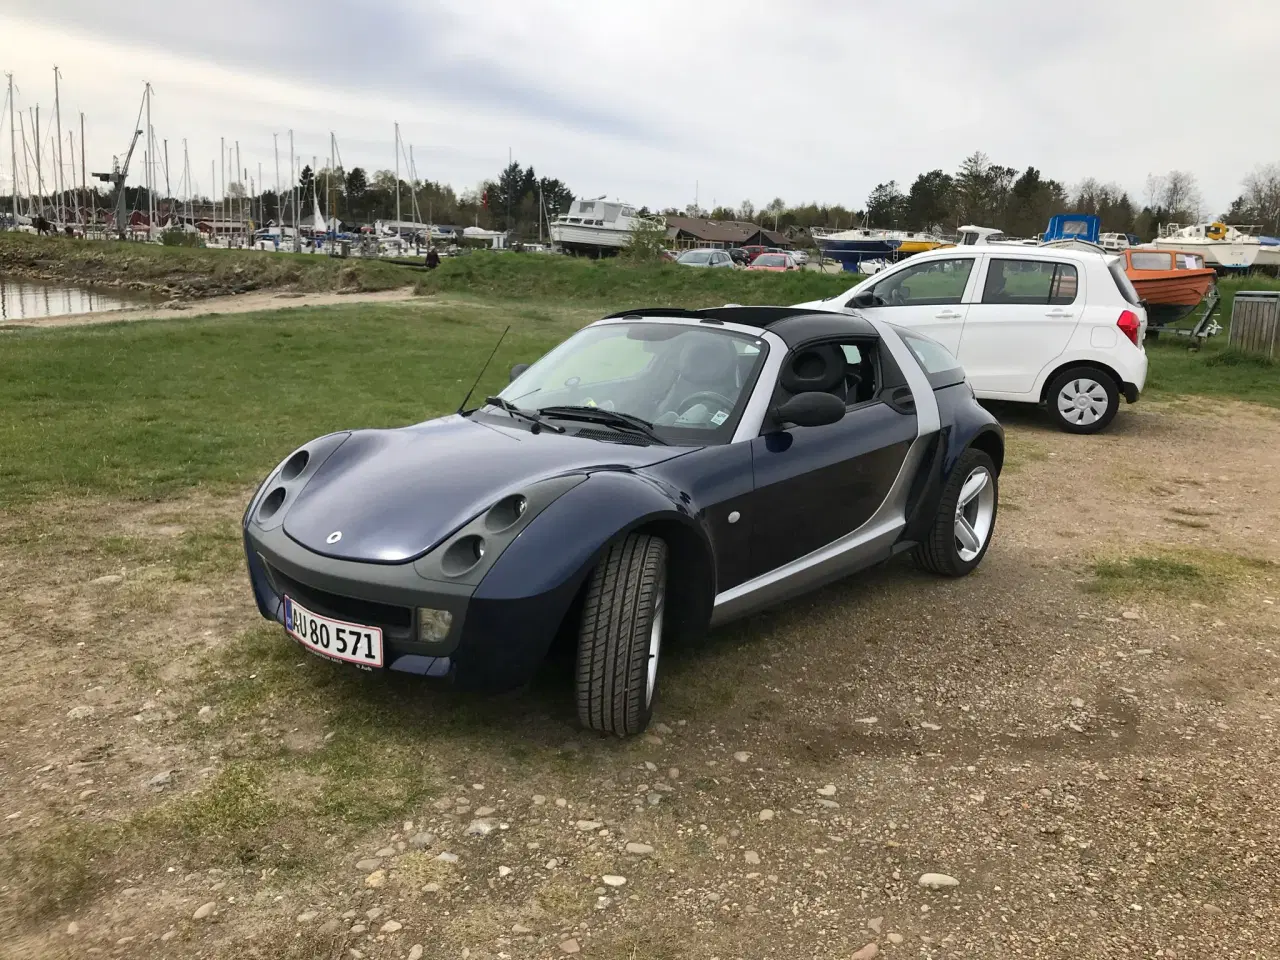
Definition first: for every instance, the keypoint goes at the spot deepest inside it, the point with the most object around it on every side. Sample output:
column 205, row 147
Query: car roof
column 1017, row 250
column 795, row 325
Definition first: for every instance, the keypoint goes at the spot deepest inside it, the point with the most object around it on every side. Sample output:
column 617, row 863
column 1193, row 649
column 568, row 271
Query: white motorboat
column 1224, row 247
column 597, row 226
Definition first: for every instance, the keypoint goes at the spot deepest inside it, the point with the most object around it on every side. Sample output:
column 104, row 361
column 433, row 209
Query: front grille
column 396, row 622
column 615, row 436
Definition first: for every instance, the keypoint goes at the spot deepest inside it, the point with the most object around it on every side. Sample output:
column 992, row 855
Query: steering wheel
column 896, row 297
column 723, row 402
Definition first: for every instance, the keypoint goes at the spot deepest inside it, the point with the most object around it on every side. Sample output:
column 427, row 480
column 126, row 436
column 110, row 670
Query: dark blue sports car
column 659, row 472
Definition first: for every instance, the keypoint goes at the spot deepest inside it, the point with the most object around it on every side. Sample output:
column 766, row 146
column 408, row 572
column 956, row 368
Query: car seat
column 706, row 362
column 817, row 369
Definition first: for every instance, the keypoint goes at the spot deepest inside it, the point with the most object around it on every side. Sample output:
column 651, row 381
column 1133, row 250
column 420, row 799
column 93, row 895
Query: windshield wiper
column 612, row 418
column 529, row 415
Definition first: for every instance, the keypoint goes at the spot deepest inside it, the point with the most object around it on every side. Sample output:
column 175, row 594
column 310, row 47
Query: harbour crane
column 117, row 176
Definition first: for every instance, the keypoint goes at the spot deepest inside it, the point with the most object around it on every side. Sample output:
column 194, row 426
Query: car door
column 930, row 295
column 814, row 485
column 1022, row 320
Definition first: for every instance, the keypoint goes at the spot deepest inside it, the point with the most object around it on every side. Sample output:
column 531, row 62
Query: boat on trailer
column 1172, row 282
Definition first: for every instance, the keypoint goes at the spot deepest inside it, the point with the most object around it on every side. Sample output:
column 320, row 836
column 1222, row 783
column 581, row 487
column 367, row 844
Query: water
column 28, row 300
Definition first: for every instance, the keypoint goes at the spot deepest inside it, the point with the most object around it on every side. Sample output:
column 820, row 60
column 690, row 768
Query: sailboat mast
column 39, row 174
column 397, row 180
column 84, row 180
column 149, row 156
column 13, row 151
column 168, row 192
column 57, row 117
column 240, row 178
column 293, row 192
column 279, row 215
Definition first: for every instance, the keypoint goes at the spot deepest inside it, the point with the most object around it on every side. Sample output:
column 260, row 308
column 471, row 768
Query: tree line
column 1019, row 203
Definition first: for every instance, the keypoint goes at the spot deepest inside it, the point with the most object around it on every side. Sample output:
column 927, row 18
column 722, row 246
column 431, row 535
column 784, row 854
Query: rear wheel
column 965, row 520
column 620, row 640
column 1083, row 400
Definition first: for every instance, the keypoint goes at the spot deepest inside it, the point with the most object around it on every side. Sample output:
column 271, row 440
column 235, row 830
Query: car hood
column 395, row 494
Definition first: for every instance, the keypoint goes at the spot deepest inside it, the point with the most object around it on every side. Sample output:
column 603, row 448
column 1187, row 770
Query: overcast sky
column 644, row 99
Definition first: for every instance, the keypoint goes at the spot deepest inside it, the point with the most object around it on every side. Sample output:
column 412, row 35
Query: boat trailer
column 1207, row 326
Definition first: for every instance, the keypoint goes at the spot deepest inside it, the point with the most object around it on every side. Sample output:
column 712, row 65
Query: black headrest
column 814, row 368
column 708, row 359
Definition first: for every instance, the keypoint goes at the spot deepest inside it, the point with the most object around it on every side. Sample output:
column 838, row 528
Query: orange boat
column 1172, row 282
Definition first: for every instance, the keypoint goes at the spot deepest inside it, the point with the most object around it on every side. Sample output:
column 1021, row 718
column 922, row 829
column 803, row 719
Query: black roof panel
column 793, row 324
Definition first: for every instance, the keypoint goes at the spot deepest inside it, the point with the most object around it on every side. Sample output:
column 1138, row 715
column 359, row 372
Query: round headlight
column 463, row 554
column 505, row 513
column 295, row 465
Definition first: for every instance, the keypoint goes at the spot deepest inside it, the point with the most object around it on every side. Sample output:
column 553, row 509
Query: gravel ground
column 1049, row 758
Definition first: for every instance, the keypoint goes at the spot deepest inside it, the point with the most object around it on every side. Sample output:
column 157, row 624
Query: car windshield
column 690, row 381
column 695, row 256
column 771, row 260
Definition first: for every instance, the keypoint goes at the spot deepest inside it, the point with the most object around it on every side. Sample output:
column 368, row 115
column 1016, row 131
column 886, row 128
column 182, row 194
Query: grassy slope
column 621, row 285
column 190, row 272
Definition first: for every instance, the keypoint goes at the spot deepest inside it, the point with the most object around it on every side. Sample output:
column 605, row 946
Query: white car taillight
column 1130, row 326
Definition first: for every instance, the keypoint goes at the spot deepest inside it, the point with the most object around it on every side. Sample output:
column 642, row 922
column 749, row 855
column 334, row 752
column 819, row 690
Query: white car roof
column 1017, row 250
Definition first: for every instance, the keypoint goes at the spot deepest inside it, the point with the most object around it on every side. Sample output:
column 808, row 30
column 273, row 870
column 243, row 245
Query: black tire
column 1087, row 418
column 941, row 551
column 625, row 597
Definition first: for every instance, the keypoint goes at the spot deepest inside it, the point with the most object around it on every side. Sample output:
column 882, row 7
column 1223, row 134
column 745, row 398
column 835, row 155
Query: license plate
column 335, row 639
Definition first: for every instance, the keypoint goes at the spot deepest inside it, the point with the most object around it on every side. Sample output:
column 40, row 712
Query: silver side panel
column 871, row 542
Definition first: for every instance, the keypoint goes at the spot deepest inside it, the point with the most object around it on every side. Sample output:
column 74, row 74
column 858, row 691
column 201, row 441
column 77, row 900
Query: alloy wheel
column 975, row 513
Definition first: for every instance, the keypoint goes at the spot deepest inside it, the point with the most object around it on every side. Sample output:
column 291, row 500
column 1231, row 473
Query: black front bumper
column 490, row 644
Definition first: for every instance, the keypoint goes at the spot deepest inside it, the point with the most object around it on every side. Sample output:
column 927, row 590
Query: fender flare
column 566, row 540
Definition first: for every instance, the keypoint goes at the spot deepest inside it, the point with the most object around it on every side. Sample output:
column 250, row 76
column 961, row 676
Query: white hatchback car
column 1047, row 325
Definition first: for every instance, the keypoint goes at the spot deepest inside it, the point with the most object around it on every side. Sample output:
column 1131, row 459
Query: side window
column 1151, row 260
column 1029, row 282
column 942, row 369
column 925, row 284
column 846, row 369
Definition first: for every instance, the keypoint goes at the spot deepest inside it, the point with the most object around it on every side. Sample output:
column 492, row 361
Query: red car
column 773, row 262
column 754, row 250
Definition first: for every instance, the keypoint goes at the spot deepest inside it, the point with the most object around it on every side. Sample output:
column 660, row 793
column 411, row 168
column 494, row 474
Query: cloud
column 812, row 100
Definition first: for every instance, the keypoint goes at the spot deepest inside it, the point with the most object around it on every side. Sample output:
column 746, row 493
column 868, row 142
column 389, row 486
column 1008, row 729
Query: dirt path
column 240, row 303
column 1088, row 751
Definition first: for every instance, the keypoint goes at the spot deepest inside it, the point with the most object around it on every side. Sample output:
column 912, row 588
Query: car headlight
column 285, row 482
column 467, row 555
column 433, row 625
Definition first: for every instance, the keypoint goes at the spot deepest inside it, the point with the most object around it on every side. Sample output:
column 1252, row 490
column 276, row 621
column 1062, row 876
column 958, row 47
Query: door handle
column 1059, row 314
column 902, row 400
column 948, row 315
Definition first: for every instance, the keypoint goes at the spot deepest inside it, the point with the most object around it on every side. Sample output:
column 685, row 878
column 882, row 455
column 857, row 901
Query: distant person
column 433, row 258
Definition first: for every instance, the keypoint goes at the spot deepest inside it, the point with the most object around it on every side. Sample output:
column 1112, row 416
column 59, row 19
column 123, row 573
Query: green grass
column 143, row 409
column 1216, row 370
column 620, row 285
column 1195, row 574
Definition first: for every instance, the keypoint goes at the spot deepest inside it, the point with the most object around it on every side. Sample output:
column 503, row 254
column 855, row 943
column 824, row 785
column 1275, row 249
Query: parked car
column 740, row 256
column 773, row 262
column 754, row 250
column 705, row 258
column 1046, row 325
column 708, row 463
column 801, row 257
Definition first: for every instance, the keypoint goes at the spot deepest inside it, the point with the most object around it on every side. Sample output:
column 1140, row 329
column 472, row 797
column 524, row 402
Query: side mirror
column 812, row 409
column 867, row 299
column 518, row 369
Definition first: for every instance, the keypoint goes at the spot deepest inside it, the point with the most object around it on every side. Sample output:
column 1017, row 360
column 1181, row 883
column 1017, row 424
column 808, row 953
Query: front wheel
column 620, row 639
column 1083, row 400
column 965, row 520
